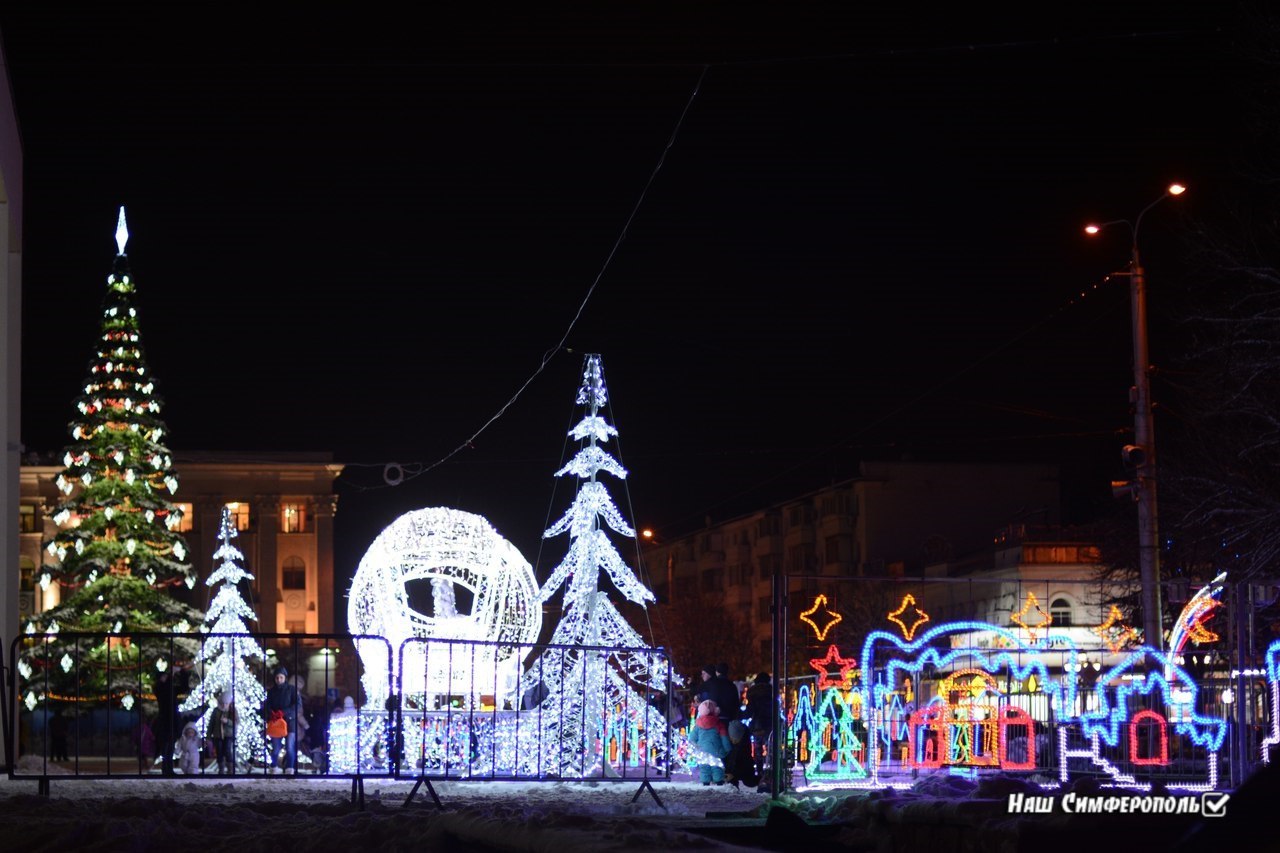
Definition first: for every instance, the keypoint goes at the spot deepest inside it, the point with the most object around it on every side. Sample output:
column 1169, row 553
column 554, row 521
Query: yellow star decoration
column 833, row 619
column 1114, row 632
column 921, row 617
column 1032, row 606
column 834, row 671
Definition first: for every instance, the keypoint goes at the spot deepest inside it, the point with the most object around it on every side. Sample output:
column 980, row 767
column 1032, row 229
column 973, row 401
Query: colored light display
column 918, row 619
column 829, row 620
column 1031, row 610
column 1114, row 633
column 1190, row 624
column 833, row 670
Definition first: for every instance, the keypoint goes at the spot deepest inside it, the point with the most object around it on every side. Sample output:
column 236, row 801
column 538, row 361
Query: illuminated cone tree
column 223, row 660
column 117, row 553
column 595, row 688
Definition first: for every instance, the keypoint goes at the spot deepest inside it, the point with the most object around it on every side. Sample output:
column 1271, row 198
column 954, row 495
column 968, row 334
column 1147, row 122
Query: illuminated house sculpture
column 1143, row 703
column 463, row 560
column 970, row 722
column 595, row 676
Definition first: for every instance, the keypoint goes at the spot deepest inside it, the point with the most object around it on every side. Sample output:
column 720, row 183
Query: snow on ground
column 306, row 813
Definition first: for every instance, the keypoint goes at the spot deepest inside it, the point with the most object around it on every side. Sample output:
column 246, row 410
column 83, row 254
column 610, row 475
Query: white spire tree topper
column 122, row 232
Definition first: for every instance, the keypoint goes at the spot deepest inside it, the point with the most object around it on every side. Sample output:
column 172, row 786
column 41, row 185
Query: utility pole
column 1143, row 456
column 1142, row 453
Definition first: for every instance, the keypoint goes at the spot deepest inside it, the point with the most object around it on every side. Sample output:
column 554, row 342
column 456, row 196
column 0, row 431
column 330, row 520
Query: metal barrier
column 85, row 705
column 481, row 710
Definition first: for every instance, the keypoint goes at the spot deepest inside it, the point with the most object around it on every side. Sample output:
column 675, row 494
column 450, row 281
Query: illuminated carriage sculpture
column 455, row 552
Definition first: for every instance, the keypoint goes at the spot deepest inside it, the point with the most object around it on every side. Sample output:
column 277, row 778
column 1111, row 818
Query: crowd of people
column 732, row 727
column 171, row 735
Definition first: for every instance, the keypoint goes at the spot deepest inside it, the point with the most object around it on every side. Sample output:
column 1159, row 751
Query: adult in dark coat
column 283, row 697
column 166, row 719
column 724, row 693
column 761, row 711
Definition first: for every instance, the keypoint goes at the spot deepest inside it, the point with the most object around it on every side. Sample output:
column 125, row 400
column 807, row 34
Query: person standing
column 166, row 712
column 222, row 731
column 761, row 710
column 283, row 697
column 189, row 751
column 709, row 739
column 739, row 767
column 724, row 693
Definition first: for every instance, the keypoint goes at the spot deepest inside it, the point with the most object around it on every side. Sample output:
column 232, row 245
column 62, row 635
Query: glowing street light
column 1142, row 453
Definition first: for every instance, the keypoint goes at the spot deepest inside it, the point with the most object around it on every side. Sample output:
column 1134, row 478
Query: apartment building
column 283, row 505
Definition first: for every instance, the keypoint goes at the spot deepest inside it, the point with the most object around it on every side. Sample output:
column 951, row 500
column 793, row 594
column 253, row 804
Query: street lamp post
column 1142, row 453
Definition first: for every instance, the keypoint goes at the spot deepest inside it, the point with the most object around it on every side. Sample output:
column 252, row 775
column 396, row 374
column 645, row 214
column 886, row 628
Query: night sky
column 395, row 238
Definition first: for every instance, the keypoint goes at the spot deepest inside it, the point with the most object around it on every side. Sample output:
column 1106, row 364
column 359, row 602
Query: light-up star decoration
column 1031, row 609
column 908, row 631
column 1114, row 632
column 830, row 618
column 833, row 670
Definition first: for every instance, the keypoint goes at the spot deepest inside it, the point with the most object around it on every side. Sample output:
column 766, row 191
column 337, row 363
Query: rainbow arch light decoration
column 451, row 549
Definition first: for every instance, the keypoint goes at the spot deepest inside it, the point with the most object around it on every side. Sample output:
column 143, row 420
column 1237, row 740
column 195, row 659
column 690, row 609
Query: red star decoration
column 921, row 617
column 833, row 670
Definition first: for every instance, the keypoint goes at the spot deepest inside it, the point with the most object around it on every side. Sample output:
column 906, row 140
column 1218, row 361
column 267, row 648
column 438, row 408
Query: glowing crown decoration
column 456, row 552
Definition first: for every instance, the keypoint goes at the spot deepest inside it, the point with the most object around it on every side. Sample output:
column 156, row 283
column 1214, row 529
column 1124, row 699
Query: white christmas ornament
column 458, row 555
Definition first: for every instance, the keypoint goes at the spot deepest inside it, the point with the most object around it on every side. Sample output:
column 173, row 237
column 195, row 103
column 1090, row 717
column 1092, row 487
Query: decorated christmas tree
column 223, row 660
column 596, row 687
column 117, row 553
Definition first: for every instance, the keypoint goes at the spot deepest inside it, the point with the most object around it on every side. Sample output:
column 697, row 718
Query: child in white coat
column 189, row 751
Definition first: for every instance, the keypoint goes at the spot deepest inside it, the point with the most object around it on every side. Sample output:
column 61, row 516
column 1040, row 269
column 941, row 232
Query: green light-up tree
column 117, row 553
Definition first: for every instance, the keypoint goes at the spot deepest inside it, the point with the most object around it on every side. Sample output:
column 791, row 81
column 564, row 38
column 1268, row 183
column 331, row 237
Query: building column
column 265, row 509
column 326, row 506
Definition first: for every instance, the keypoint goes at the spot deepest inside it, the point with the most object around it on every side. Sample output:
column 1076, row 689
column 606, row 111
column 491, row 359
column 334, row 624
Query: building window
column 801, row 558
column 833, row 549
column 762, row 609
column 1060, row 611
column 767, row 564
column 712, row 580
column 292, row 626
column 26, row 574
column 186, row 517
column 769, row 525
column 293, row 518
column 239, row 515
column 293, row 573
column 27, row 518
